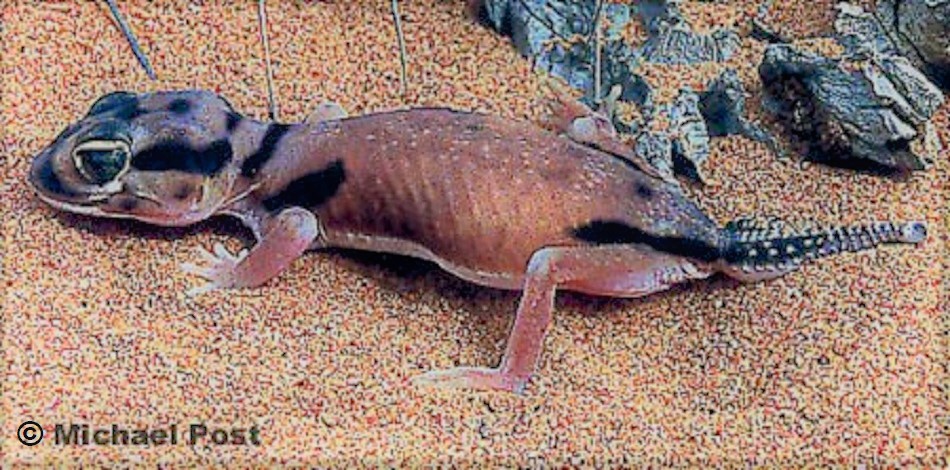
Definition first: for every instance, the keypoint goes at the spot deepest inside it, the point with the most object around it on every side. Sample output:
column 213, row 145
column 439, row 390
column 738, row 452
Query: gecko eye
column 102, row 161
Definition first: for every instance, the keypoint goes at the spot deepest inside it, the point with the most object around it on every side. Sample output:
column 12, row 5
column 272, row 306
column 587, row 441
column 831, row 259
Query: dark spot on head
column 233, row 120
column 182, row 157
column 256, row 161
column 474, row 127
column 608, row 232
column 122, row 104
column 179, row 106
column 643, row 190
column 310, row 190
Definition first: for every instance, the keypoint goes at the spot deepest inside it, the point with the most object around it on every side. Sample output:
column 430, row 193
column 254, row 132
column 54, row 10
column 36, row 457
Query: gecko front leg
column 283, row 238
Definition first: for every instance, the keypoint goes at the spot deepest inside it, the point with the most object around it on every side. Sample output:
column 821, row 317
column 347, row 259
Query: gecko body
column 494, row 201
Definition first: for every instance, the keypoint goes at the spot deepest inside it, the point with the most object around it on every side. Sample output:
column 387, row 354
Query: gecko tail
column 760, row 250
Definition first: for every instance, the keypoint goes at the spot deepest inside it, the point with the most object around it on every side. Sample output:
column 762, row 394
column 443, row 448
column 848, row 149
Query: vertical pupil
column 102, row 166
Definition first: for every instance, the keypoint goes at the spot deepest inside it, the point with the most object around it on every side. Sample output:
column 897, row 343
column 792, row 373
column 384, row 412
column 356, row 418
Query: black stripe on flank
column 310, row 190
column 179, row 106
column 233, row 120
column 605, row 232
column 177, row 156
column 256, row 161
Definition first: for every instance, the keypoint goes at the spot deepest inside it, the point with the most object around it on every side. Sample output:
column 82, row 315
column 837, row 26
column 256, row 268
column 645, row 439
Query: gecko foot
column 471, row 378
column 217, row 268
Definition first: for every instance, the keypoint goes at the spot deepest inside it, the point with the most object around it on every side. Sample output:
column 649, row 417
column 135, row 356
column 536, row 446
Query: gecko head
column 163, row 158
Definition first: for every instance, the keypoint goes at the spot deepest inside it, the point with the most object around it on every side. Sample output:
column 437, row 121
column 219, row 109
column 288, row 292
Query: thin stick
column 597, row 44
column 130, row 37
column 546, row 24
column 402, row 47
column 272, row 103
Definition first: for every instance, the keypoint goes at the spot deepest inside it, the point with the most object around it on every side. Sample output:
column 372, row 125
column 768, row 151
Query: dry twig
column 597, row 50
column 402, row 47
column 272, row 103
column 129, row 36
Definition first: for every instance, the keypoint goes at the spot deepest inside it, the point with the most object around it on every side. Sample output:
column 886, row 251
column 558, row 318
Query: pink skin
column 402, row 182
column 606, row 270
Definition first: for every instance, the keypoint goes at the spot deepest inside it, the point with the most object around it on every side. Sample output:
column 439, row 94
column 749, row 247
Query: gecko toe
column 223, row 253
column 202, row 289
column 196, row 270
column 470, row 378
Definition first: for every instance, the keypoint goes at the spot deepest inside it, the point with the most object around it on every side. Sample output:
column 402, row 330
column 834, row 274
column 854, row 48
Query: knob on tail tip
column 914, row 232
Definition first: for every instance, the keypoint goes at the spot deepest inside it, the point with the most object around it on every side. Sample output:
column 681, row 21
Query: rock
column 917, row 29
column 556, row 34
column 851, row 109
column 723, row 109
column 922, row 32
column 672, row 40
column 690, row 135
column 657, row 149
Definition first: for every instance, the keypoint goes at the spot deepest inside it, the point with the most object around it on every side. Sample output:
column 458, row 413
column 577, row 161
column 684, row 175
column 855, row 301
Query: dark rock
column 921, row 29
column 723, row 108
column 657, row 149
column 850, row 109
column 690, row 136
column 672, row 40
column 556, row 34
column 917, row 29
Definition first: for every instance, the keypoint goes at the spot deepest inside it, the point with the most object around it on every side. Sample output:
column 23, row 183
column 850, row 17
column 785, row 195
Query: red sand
column 842, row 362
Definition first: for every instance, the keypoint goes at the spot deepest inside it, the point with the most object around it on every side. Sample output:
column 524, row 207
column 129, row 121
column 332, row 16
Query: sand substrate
column 843, row 361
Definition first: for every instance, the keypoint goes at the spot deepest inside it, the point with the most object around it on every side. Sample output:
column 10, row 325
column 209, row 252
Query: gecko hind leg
column 327, row 111
column 609, row 269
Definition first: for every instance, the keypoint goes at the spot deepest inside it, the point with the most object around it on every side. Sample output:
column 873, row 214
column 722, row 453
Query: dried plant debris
column 680, row 148
column 596, row 129
column 672, row 40
column 851, row 110
column 558, row 36
column 690, row 137
column 723, row 109
column 657, row 149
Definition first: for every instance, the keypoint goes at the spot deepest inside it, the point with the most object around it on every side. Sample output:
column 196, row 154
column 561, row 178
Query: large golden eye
column 102, row 161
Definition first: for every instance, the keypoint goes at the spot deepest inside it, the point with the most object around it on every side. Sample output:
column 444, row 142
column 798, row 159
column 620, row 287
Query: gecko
column 498, row 202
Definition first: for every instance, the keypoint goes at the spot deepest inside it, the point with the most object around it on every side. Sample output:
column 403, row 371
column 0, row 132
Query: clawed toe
column 216, row 267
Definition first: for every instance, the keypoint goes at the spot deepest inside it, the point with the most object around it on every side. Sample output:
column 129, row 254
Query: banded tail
column 764, row 250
